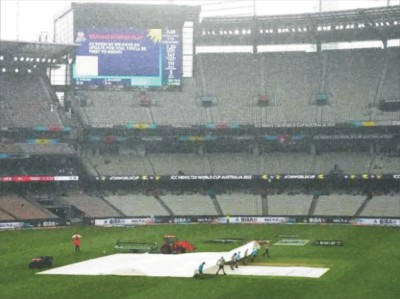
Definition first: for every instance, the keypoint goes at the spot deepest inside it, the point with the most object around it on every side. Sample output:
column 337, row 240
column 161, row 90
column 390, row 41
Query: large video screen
column 128, row 57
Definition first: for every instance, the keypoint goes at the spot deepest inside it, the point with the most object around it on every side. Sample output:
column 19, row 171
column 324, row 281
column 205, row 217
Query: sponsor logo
column 328, row 243
column 316, row 220
column 292, row 242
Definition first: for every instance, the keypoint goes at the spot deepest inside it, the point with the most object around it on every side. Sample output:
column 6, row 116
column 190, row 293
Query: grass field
column 367, row 266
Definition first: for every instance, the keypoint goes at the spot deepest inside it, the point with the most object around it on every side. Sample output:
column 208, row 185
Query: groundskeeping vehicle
column 172, row 245
column 41, row 262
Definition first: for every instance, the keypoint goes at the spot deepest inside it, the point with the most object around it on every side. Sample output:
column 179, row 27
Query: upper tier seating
column 28, row 102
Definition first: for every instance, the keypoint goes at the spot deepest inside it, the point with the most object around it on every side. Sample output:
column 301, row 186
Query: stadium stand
column 221, row 101
column 5, row 216
column 291, row 80
column 338, row 205
column 345, row 162
column 383, row 206
column 175, row 163
column 108, row 164
column 189, row 204
column 239, row 203
column 28, row 101
column 230, row 87
column 20, row 208
column 91, row 206
column 279, row 162
column 135, row 204
column 228, row 163
column 284, row 204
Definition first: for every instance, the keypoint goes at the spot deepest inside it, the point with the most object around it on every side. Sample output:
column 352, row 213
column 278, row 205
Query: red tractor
column 172, row 245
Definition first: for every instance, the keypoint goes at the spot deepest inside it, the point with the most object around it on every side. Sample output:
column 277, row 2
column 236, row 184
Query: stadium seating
column 290, row 79
column 4, row 216
column 347, row 162
column 21, row 209
column 289, row 163
column 108, row 164
column 338, row 205
column 284, row 204
column 136, row 204
column 29, row 102
column 189, row 204
column 174, row 163
column 230, row 163
column 383, row 206
column 91, row 206
column 239, row 203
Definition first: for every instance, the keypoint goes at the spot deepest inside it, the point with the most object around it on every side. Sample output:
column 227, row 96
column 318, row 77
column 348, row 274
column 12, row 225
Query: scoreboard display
column 128, row 57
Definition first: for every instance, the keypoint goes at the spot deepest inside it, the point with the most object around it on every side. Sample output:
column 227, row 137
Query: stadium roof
column 13, row 51
column 119, row 15
column 336, row 26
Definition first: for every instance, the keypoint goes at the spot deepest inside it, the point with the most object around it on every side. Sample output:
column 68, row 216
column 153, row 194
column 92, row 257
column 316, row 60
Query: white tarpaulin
column 177, row 265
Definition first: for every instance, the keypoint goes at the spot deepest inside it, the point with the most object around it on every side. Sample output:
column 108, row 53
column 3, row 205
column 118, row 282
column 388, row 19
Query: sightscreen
column 128, row 57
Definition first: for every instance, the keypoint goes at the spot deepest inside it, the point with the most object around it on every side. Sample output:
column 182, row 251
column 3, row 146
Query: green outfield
column 367, row 266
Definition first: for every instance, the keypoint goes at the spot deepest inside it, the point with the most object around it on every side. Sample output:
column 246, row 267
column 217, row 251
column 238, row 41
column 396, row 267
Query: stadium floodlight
column 1, row 57
column 49, row 60
column 16, row 70
column 43, row 59
column 54, row 60
column 237, row 31
column 21, row 59
column 37, row 59
column 15, row 58
column 3, row 70
column 243, row 31
column 29, row 71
